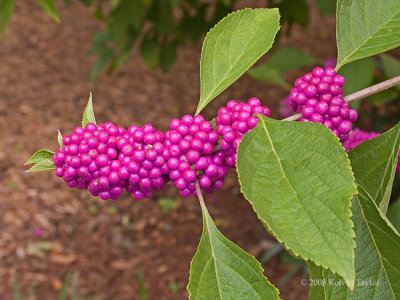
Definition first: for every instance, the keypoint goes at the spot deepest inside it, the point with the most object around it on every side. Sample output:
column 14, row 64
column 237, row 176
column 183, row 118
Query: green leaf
column 298, row 178
column 232, row 47
column 365, row 28
column 64, row 289
column 393, row 214
column 106, row 56
column 283, row 60
column 17, row 291
column 39, row 156
column 88, row 114
column 294, row 12
column 48, row 6
column 377, row 261
column 6, row 12
column 316, row 291
column 150, row 52
column 359, row 75
column 44, row 165
column 167, row 204
column 160, row 14
column 326, row 7
column 221, row 270
column 376, row 176
column 168, row 56
column 60, row 139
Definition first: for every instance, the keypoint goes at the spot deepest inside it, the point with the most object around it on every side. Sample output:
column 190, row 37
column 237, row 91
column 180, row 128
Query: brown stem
column 199, row 194
column 384, row 85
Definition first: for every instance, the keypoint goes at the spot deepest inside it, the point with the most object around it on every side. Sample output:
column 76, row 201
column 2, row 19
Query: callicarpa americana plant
column 325, row 205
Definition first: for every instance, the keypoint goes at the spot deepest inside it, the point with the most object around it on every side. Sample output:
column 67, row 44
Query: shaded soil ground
column 43, row 87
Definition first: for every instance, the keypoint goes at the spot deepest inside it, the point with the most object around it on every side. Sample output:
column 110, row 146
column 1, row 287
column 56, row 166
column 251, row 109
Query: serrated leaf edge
column 351, row 287
column 200, row 107
column 205, row 221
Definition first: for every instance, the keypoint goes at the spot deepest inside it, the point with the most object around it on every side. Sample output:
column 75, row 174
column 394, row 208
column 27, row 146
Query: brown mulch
column 44, row 86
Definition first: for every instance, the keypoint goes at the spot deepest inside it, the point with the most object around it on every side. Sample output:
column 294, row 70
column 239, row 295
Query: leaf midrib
column 288, row 181
column 365, row 41
column 210, row 94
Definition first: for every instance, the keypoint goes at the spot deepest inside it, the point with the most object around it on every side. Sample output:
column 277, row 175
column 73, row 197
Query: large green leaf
column 376, row 176
column 377, row 260
column 88, row 114
column 221, row 270
column 298, row 178
column 232, row 47
column 49, row 7
column 283, row 60
column 316, row 282
column 6, row 12
column 365, row 28
column 359, row 75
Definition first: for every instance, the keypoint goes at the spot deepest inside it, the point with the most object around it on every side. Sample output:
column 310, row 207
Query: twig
column 384, row 85
column 199, row 194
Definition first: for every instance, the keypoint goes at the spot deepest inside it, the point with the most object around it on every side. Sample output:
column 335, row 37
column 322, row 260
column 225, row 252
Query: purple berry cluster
column 143, row 157
column 233, row 121
column 358, row 136
column 190, row 143
column 318, row 96
column 89, row 159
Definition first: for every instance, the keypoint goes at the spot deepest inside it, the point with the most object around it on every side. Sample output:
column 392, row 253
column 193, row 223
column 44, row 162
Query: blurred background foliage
column 160, row 27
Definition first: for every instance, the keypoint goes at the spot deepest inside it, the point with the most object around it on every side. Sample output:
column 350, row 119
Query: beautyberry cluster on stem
column 233, row 121
column 190, row 143
column 318, row 96
column 89, row 159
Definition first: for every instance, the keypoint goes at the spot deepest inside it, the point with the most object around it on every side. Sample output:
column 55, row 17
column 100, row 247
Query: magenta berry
column 237, row 118
column 190, row 144
column 318, row 96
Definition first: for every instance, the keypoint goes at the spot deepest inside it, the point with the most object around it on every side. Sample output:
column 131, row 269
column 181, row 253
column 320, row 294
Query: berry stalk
column 384, row 85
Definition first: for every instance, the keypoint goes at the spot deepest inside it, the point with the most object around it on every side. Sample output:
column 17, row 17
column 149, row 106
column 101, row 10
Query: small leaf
column 359, row 75
column 298, row 179
column 161, row 15
column 49, row 7
column 168, row 56
column 88, row 114
column 39, row 156
column 316, row 291
column 6, row 12
column 221, row 270
column 150, row 52
column 294, row 12
column 365, row 28
column 377, row 261
column 232, row 47
column 377, row 176
column 44, row 165
column 60, row 139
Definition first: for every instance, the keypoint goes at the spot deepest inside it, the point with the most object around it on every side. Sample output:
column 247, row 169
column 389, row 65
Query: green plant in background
column 159, row 26
column 325, row 206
